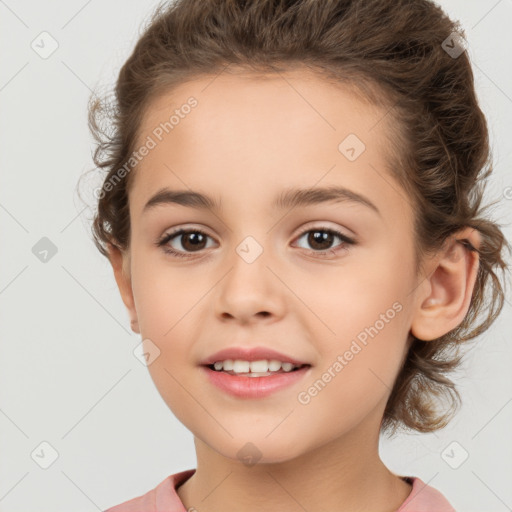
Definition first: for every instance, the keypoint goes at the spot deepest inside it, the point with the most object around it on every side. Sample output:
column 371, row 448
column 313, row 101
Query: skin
column 248, row 139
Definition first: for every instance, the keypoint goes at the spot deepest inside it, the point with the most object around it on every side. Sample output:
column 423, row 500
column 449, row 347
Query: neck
column 342, row 475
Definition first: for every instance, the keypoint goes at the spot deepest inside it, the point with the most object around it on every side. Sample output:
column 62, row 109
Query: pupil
column 319, row 237
column 195, row 238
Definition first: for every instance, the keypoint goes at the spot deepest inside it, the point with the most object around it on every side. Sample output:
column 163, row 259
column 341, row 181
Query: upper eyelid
column 306, row 228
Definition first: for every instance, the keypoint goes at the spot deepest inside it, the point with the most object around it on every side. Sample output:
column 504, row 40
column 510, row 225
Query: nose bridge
column 250, row 287
column 249, row 263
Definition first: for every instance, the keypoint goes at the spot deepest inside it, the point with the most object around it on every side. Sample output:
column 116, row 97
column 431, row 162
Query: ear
column 445, row 295
column 120, row 262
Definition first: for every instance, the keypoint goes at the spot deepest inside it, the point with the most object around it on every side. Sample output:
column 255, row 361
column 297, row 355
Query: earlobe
column 121, row 266
column 449, row 286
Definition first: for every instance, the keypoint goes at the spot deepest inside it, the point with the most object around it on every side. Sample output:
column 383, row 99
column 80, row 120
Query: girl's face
column 266, row 274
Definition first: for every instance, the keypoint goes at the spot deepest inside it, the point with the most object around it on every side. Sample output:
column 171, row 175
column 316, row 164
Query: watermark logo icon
column 454, row 455
column 454, row 45
column 146, row 352
column 352, row 147
column 44, row 455
column 249, row 454
column 44, row 250
column 249, row 249
column 44, row 45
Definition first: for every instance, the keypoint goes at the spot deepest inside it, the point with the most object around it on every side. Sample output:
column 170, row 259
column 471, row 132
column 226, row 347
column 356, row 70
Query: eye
column 193, row 239
column 321, row 239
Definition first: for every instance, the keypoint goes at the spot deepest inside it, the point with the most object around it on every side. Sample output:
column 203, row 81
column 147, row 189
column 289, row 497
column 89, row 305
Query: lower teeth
column 254, row 374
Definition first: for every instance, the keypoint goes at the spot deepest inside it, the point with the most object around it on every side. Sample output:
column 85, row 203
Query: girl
column 291, row 208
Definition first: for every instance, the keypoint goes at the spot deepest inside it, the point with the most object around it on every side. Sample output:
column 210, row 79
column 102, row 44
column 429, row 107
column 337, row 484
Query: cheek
column 358, row 304
column 367, row 316
column 165, row 297
column 172, row 384
column 168, row 305
column 354, row 378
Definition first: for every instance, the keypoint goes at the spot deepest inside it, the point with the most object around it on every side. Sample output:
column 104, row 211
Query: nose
column 250, row 292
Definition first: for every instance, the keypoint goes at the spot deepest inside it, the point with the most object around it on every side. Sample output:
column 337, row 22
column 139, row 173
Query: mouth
column 255, row 385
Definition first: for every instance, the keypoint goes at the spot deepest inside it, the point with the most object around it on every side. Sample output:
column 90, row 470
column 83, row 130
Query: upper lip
column 250, row 354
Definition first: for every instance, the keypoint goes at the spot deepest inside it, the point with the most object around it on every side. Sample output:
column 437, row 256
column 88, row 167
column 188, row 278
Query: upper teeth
column 241, row 366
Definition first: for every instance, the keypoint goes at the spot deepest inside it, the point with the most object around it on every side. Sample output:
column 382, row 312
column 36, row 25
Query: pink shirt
column 163, row 498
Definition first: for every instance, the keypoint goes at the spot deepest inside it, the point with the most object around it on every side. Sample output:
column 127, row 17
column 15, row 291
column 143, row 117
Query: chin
column 260, row 450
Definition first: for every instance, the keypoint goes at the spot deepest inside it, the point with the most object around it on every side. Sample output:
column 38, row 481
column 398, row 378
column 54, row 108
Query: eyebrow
column 290, row 198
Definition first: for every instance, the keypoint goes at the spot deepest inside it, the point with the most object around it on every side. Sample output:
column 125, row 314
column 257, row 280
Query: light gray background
column 67, row 372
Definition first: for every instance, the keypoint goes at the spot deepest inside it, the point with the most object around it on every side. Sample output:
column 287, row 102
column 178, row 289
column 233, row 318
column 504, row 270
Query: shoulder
column 162, row 497
column 424, row 498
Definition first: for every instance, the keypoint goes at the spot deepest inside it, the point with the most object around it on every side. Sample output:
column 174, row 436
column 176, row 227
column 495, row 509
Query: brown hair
column 392, row 52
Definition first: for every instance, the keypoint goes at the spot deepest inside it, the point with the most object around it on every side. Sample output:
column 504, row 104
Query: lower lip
column 255, row 387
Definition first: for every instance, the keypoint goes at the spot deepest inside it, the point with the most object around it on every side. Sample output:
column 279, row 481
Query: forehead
column 264, row 100
column 253, row 129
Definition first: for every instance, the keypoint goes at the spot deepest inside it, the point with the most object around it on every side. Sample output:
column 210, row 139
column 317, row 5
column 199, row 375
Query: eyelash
column 179, row 254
